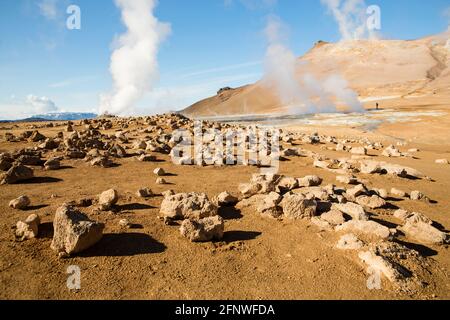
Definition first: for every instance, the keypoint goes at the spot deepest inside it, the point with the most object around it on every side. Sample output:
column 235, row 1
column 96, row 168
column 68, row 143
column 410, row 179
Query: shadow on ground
column 124, row 245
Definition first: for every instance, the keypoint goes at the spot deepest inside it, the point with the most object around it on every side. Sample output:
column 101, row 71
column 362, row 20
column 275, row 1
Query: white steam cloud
column 298, row 89
column 134, row 65
column 351, row 16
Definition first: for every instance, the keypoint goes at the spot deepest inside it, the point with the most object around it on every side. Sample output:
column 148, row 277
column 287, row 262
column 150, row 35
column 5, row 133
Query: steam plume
column 296, row 88
column 351, row 18
column 134, row 65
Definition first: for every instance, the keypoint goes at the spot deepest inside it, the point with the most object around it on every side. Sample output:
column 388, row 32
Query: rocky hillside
column 375, row 70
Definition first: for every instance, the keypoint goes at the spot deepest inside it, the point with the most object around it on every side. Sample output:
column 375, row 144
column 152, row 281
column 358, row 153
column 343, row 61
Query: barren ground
column 259, row 258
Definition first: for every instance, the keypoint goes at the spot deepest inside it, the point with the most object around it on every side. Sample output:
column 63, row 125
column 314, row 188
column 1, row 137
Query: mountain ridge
column 374, row 70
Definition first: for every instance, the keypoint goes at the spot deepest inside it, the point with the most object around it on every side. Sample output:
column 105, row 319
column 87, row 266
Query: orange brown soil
column 258, row 258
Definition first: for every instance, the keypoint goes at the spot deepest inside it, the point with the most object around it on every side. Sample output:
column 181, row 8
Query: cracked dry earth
column 259, row 257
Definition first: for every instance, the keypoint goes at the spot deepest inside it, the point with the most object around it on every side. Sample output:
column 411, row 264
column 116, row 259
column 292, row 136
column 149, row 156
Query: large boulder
column 207, row 229
column 187, row 206
column 74, row 232
column 17, row 174
column 296, row 206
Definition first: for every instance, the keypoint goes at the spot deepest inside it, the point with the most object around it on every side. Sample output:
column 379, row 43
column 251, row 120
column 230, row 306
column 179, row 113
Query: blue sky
column 213, row 43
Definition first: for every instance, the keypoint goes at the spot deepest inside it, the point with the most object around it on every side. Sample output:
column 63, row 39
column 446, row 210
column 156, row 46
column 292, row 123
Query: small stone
column 168, row 193
column 161, row 181
column 287, row 184
column 398, row 193
column 333, row 217
column 356, row 191
column 373, row 202
column 382, row 193
column 187, row 206
column 21, row 203
column 159, row 172
column 108, row 199
column 413, row 217
column 17, row 173
column 347, row 179
column 52, row 164
column 144, row 193
column 349, row 242
column 354, row 210
column 359, row 151
column 424, row 233
column 28, row 229
column 296, row 206
column 309, row 181
column 416, row 195
column 321, row 224
column 391, row 151
column 442, row 161
column 146, row 158
column 102, row 161
column 124, row 223
column 207, row 229
column 226, row 199
column 368, row 227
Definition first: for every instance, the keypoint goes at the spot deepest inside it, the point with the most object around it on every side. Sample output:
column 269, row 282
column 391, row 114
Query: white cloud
column 72, row 81
column 253, row 4
column 48, row 8
column 22, row 108
column 221, row 69
column 41, row 104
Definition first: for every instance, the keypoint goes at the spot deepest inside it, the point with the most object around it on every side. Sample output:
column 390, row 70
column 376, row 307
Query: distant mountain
column 375, row 70
column 63, row 116
column 57, row 116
